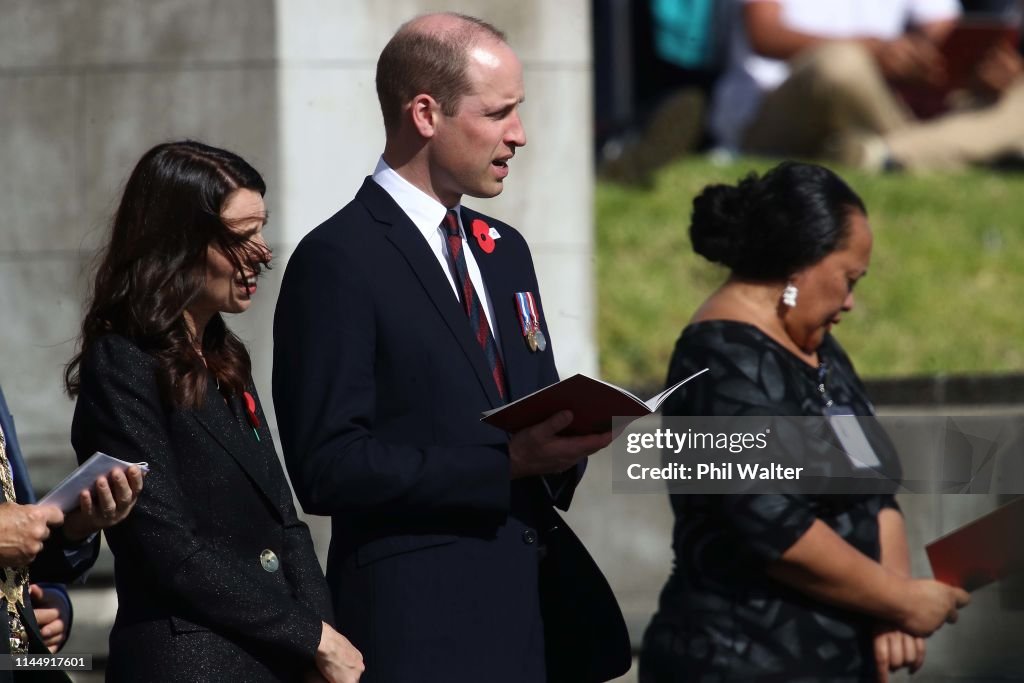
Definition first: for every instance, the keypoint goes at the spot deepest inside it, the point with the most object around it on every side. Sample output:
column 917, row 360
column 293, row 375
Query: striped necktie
column 471, row 302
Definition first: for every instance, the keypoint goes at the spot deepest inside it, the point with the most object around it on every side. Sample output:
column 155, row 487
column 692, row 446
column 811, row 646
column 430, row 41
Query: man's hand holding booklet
column 593, row 404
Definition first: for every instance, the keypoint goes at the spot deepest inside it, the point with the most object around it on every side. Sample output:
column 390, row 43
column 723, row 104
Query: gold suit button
column 268, row 558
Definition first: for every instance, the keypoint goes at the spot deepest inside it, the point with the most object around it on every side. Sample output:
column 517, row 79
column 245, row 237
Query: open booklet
column 980, row 552
column 963, row 51
column 593, row 404
column 65, row 494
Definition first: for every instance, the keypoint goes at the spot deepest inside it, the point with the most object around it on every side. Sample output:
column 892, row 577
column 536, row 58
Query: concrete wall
column 85, row 89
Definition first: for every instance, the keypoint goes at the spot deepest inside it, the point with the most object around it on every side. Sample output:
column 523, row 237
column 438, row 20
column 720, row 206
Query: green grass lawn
column 945, row 292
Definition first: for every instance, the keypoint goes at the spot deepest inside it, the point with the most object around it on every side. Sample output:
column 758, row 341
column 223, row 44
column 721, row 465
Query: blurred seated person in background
column 823, row 79
column 784, row 587
column 677, row 52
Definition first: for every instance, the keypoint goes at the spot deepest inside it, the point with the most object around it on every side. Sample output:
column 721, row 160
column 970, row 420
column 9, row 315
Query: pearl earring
column 789, row 295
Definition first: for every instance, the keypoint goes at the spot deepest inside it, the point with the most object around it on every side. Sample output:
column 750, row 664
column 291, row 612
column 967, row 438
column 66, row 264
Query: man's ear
column 424, row 112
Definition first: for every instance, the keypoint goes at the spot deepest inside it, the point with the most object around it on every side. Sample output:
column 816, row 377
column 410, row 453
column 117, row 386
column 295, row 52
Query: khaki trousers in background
column 971, row 136
column 836, row 94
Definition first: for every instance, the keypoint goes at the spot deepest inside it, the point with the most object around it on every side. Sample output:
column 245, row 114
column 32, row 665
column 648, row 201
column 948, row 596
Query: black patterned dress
column 720, row 617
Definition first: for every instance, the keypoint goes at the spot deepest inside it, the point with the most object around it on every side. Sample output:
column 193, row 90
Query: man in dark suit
column 400, row 319
column 51, row 556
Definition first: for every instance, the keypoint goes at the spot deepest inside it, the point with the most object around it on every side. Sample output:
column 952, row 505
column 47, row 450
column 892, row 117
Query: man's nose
column 515, row 136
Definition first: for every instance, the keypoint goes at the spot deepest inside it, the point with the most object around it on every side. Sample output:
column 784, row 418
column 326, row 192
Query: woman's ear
column 799, row 278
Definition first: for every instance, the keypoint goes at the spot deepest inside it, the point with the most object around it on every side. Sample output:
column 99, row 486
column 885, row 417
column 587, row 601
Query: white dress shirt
column 426, row 213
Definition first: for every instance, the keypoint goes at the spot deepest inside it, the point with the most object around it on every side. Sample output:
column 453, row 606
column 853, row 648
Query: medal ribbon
column 535, row 322
column 527, row 312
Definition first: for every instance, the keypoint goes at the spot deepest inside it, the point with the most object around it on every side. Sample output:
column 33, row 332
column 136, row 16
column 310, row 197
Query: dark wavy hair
column 769, row 227
column 154, row 267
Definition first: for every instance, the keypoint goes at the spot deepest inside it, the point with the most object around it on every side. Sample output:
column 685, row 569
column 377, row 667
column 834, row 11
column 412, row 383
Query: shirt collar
column 424, row 211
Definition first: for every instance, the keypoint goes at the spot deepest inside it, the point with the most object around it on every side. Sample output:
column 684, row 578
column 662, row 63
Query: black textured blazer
column 216, row 577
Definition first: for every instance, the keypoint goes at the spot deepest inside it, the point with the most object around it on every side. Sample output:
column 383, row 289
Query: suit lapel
column 217, row 418
column 401, row 232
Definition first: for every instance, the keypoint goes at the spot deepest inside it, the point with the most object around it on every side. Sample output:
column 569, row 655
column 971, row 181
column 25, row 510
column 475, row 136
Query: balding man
column 400, row 319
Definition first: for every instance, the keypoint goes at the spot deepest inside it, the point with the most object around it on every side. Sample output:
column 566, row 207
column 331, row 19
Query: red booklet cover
column 593, row 404
column 985, row 550
column 962, row 52
column 968, row 43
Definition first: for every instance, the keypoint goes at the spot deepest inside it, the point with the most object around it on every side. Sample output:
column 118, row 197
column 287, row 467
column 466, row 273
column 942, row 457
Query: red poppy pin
column 485, row 235
column 250, row 409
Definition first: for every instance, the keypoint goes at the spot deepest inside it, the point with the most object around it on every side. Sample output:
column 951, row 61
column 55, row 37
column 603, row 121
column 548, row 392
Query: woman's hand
column 116, row 494
column 930, row 604
column 895, row 650
column 337, row 659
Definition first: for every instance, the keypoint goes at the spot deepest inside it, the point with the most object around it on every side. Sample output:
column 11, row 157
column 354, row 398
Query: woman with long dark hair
column 216, row 577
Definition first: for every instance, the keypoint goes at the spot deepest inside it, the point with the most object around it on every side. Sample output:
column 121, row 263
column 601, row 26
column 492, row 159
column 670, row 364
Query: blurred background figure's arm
column 912, row 56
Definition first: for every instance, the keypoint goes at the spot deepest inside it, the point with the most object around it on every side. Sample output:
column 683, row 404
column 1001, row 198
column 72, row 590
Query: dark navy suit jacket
column 441, row 569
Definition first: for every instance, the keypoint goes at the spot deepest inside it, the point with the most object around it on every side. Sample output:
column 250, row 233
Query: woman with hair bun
column 784, row 587
column 216, row 576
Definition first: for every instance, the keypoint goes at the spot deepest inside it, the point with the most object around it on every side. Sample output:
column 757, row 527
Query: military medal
column 529, row 319
column 541, row 341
